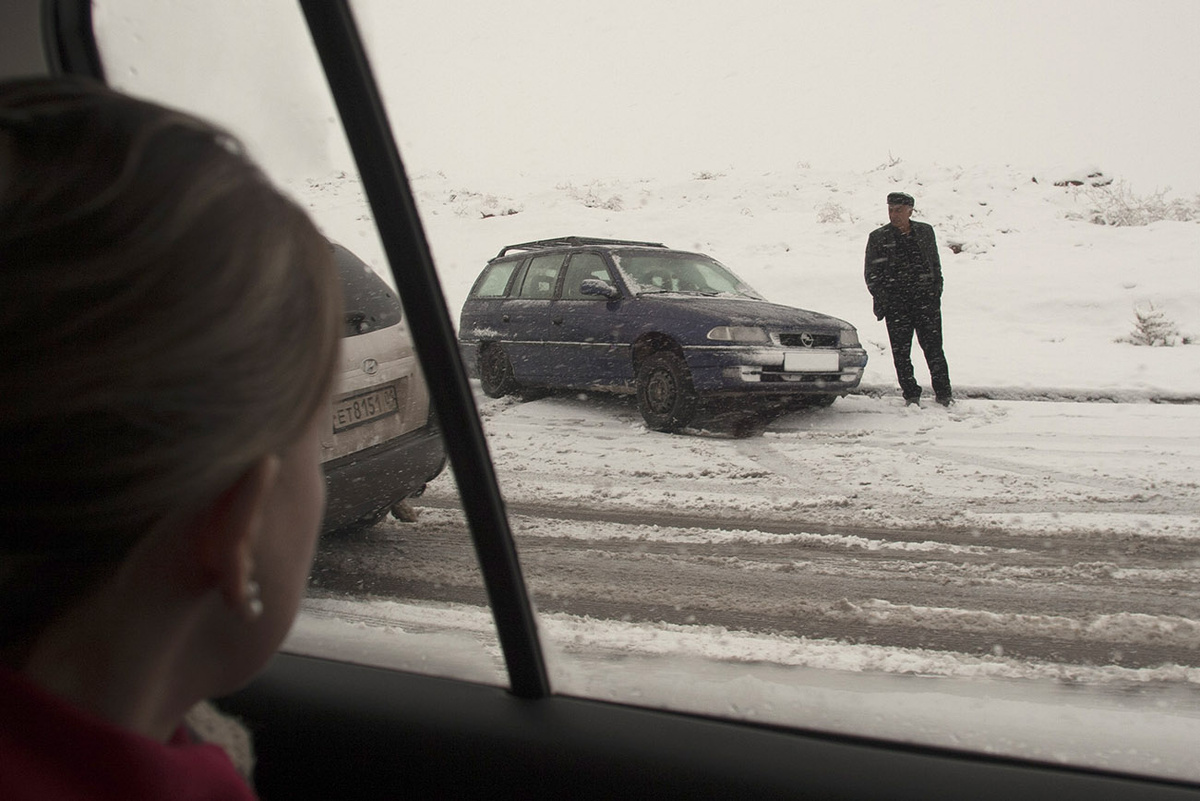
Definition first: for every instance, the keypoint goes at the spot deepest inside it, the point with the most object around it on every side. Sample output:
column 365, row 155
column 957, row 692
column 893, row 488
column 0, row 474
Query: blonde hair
column 167, row 317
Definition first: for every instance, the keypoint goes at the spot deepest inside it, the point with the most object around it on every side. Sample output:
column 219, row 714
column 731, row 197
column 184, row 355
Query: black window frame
column 386, row 185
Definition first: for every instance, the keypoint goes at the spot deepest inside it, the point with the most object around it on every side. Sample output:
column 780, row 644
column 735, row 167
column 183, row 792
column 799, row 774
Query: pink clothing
column 51, row 750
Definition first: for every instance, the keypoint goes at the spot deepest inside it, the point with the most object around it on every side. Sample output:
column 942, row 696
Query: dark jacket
column 888, row 280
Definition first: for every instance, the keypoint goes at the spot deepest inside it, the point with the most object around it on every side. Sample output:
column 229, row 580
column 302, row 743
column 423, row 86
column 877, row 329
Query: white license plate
column 360, row 409
column 811, row 361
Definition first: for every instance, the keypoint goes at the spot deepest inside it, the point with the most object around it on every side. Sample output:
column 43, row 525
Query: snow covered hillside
column 1037, row 298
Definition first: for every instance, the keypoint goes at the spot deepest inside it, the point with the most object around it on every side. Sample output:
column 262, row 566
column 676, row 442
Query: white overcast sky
column 645, row 88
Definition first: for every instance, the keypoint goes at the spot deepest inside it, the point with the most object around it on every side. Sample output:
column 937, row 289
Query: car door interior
column 331, row 729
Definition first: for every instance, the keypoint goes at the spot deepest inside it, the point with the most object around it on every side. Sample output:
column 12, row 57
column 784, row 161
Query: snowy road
column 1044, row 532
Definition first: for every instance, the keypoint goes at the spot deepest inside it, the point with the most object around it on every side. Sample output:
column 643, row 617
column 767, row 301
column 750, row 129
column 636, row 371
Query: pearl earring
column 252, row 606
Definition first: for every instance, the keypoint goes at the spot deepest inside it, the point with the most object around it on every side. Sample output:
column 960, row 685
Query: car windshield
column 650, row 273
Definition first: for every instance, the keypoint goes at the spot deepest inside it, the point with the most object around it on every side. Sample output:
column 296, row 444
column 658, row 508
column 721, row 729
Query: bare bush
column 1152, row 328
column 832, row 212
column 1116, row 204
column 892, row 161
column 465, row 203
column 592, row 196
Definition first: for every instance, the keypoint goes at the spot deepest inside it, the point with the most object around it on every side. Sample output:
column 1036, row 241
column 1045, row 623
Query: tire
column 666, row 397
column 496, row 372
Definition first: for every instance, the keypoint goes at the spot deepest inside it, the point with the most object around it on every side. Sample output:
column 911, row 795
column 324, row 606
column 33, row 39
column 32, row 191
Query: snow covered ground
column 1038, row 307
column 1037, row 300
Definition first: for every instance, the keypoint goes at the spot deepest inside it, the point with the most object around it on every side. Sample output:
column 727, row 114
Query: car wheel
column 496, row 372
column 666, row 397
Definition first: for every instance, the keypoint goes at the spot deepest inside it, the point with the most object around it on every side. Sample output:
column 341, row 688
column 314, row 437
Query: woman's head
column 167, row 318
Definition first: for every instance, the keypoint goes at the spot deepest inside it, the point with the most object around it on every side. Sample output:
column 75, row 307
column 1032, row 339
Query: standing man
column 904, row 275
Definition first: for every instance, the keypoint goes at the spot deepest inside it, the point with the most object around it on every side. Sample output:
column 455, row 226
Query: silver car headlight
column 739, row 333
column 848, row 338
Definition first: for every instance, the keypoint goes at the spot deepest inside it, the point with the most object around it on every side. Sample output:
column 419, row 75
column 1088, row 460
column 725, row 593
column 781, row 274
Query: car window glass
column 659, row 273
column 541, row 277
column 494, row 281
column 371, row 305
column 1013, row 574
column 396, row 584
column 581, row 267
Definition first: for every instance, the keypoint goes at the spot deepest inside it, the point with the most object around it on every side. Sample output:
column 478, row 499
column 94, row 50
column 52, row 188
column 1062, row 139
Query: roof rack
column 574, row 241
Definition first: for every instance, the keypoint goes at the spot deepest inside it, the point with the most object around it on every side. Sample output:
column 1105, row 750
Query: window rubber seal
column 69, row 39
column 385, row 182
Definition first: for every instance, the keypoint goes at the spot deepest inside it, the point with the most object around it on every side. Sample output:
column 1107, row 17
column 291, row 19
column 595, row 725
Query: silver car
column 383, row 443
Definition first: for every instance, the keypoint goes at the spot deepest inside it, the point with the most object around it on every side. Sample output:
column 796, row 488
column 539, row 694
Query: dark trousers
column 925, row 319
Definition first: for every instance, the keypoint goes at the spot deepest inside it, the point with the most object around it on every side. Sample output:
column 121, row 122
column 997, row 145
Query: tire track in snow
column 1023, row 607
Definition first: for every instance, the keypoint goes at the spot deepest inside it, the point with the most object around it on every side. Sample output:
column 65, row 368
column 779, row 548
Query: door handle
column 504, row 318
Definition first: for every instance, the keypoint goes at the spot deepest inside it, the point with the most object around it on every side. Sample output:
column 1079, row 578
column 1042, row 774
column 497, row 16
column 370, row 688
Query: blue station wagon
column 678, row 328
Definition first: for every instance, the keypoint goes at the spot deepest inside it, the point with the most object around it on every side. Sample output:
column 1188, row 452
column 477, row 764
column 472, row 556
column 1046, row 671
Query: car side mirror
column 594, row 286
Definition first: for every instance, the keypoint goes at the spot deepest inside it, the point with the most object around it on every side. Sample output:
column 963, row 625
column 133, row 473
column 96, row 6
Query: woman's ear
column 227, row 531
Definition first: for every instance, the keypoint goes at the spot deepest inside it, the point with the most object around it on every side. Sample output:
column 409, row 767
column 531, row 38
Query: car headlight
column 848, row 338
column 739, row 333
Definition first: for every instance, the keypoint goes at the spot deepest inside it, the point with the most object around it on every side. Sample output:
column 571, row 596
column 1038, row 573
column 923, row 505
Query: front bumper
column 768, row 371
